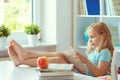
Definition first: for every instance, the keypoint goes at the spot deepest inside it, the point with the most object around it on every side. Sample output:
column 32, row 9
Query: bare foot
column 20, row 51
column 13, row 56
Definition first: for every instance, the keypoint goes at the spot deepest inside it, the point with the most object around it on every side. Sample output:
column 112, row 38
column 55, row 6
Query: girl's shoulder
column 106, row 50
column 105, row 55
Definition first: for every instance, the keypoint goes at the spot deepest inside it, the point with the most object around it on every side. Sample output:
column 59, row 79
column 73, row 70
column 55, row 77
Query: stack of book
column 56, row 71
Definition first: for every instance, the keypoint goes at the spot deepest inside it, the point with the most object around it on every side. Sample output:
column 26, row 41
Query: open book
column 70, row 57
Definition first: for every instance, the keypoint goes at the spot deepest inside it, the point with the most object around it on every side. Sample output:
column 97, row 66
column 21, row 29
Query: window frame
column 36, row 11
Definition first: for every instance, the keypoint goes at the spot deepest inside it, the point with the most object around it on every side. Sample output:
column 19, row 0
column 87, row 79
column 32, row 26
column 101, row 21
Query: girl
column 100, row 51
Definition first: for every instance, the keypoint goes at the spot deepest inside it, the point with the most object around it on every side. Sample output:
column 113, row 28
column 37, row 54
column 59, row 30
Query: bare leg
column 19, row 55
column 57, row 60
column 18, row 49
column 26, row 54
column 31, row 61
column 14, row 57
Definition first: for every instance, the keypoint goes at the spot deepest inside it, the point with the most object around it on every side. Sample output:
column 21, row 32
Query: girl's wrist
column 87, row 62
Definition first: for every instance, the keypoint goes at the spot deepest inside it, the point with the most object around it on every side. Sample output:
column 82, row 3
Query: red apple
column 42, row 62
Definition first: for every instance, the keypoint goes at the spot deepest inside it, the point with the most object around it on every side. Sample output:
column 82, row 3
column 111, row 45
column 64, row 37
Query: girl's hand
column 81, row 58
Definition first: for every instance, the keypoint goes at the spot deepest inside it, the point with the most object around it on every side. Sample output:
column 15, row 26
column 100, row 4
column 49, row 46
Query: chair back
column 113, row 65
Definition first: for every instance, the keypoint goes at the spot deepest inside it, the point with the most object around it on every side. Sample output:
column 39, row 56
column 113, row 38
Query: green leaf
column 32, row 29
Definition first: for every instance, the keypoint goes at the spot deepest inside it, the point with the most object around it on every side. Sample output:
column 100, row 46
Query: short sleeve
column 105, row 56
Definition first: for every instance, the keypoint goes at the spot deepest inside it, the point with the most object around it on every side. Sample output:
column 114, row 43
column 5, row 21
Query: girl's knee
column 59, row 54
column 57, row 60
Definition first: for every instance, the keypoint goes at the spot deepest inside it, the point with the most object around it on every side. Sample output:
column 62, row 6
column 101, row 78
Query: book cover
column 57, row 67
column 93, row 7
column 56, row 70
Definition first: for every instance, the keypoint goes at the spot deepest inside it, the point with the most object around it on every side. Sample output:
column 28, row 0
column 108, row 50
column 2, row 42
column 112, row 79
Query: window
column 17, row 13
column 1, row 11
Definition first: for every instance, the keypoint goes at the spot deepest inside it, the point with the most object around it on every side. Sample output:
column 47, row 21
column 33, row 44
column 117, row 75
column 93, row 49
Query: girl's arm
column 96, row 71
column 100, row 70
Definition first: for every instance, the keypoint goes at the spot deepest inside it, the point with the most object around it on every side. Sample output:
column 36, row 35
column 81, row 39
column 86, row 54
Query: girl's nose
column 90, row 40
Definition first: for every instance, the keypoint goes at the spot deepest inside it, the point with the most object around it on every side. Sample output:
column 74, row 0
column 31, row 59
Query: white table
column 9, row 72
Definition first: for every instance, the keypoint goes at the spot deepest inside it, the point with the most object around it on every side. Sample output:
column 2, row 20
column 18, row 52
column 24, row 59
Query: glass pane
column 17, row 14
column 1, row 11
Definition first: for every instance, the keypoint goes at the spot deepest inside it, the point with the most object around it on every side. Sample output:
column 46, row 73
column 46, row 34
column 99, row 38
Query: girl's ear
column 103, row 35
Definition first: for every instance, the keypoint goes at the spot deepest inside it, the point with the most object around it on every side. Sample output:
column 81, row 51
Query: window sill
column 47, row 47
column 4, row 59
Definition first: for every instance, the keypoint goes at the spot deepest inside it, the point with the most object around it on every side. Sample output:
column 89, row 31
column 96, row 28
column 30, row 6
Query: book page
column 70, row 57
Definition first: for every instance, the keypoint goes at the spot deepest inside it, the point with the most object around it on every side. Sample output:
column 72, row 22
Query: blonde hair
column 101, row 28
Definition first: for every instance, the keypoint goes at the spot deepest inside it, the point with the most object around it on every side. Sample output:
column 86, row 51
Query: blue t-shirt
column 96, row 57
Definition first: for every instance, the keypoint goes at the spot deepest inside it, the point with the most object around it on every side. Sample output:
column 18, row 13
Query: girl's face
column 94, row 39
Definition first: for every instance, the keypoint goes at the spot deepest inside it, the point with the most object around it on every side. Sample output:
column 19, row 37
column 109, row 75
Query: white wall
column 64, row 24
column 56, row 22
column 48, row 21
column 45, row 16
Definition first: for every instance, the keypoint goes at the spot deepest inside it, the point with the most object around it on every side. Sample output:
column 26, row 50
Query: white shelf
column 81, row 22
column 88, row 16
column 98, row 16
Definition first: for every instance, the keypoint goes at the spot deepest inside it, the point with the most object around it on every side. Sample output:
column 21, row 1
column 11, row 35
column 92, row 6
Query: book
column 70, row 57
column 56, row 73
column 56, row 78
column 116, row 7
column 110, row 8
column 57, row 67
column 106, row 77
column 82, row 7
column 93, row 7
column 56, row 70
column 103, row 7
column 115, row 33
